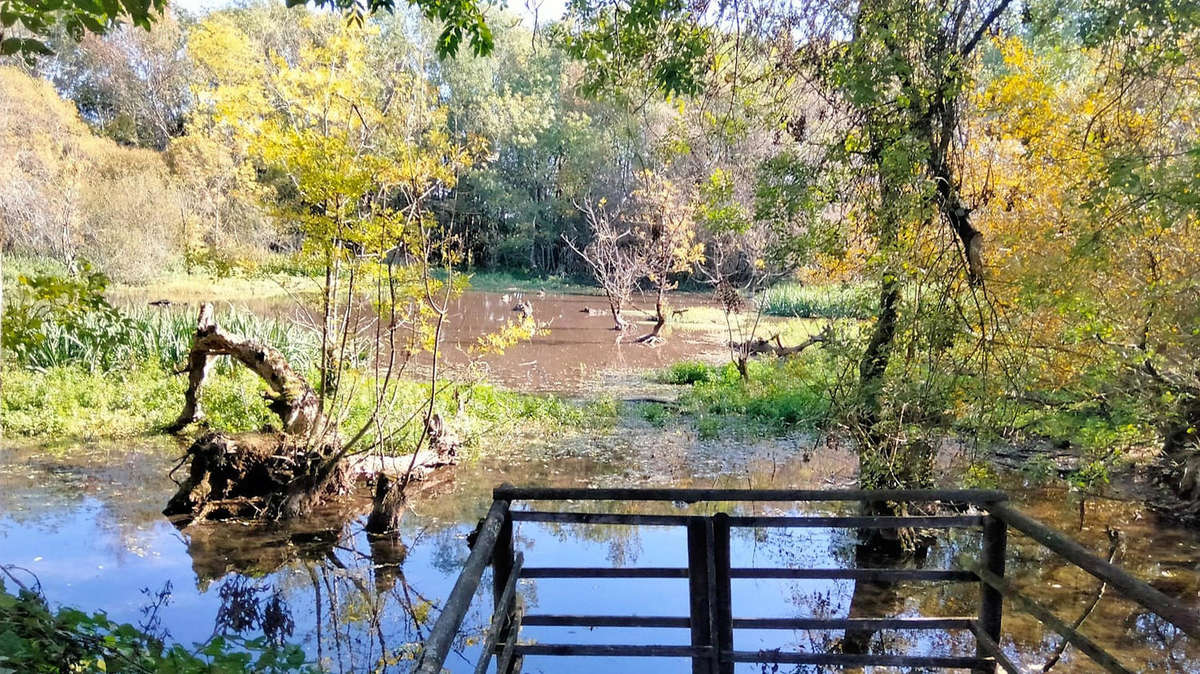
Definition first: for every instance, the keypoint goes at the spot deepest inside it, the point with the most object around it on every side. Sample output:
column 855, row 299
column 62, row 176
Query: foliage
column 34, row 638
column 796, row 300
column 51, row 313
column 39, row 18
column 631, row 47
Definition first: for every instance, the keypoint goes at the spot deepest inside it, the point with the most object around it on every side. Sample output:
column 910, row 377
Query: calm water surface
column 88, row 525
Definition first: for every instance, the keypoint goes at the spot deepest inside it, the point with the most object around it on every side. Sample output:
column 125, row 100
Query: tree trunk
column 278, row 475
column 660, row 308
column 615, row 306
column 294, row 399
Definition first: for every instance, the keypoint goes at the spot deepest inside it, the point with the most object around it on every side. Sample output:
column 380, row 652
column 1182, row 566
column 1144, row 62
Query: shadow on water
column 88, row 525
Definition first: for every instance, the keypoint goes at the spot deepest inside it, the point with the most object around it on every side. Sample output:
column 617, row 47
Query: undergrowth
column 795, row 300
column 38, row 639
column 780, row 395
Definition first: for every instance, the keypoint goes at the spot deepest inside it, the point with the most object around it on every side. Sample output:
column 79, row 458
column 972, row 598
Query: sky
column 548, row 10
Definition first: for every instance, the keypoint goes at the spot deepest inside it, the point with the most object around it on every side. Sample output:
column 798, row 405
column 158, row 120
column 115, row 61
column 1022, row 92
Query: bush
column 37, row 639
column 686, row 373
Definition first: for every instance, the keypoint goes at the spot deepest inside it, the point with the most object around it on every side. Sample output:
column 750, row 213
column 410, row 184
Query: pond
column 576, row 352
column 87, row 524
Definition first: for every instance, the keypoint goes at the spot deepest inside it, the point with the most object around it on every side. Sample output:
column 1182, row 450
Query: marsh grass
column 795, row 300
column 150, row 334
column 781, row 395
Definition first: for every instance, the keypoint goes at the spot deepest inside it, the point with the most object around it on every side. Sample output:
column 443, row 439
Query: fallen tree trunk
column 774, row 345
column 283, row 474
column 293, row 398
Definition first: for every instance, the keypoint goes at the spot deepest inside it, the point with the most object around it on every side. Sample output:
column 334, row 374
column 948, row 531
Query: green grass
column 503, row 281
column 686, row 373
column 795, row 300
column 75, row 403
column 781, row 395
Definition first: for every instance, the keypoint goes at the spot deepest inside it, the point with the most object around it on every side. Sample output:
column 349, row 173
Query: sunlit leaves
column 636, row 46
column 36, row 19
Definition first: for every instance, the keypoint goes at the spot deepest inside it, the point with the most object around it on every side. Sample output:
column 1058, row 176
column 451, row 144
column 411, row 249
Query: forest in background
column 1013, row 186
column 988, row 206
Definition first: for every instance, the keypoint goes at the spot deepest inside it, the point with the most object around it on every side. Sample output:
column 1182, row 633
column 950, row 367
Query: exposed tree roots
column 267, row 476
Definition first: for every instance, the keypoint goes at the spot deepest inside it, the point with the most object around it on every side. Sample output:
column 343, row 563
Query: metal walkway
column 709, row 572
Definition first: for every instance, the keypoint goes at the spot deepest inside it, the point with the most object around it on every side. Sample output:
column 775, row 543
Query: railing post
column 445, row 629
column 991, row 604
column 723, row 637
column 502, row 565
column 699, row 584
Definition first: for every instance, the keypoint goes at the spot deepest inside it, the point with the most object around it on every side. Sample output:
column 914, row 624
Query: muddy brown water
column 87, row 524
column 576, row 352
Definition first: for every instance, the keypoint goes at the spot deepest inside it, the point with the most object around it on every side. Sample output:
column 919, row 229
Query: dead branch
column 294, row 400
column 774, row 345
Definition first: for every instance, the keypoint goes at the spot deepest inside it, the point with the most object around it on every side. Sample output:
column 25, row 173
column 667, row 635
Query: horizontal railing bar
column 1077, row 639
column 931, row 623
column 600, row 518
column 857, row 574
column 815, row 521
column 618, row 650
column 603, row 572
column 1172, row 610
column 989, row 646
column 445, row 629
column 952, row 575
column 978, row 496
column 918, row 623
column 859, row 522
column 501, row 615
column 859, row 660
column 546, row 620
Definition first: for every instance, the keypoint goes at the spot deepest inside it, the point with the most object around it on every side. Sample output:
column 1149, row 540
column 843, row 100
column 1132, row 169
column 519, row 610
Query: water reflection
column 90, row 530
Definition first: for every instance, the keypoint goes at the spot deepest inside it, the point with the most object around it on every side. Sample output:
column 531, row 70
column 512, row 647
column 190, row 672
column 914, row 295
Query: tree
column 1094, row 206
column 131, row 84
column 359, row 146
column 662, row 221
column 613, row 257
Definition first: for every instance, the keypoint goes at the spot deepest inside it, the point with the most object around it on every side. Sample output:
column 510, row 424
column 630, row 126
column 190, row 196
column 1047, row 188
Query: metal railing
column 709, row 574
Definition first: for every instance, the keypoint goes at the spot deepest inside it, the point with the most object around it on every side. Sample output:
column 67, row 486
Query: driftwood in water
column 277, row 475
column 774, row 345
column 390, row 487
column 293, row 399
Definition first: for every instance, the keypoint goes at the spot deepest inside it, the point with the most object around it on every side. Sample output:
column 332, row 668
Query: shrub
column 687, row 372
